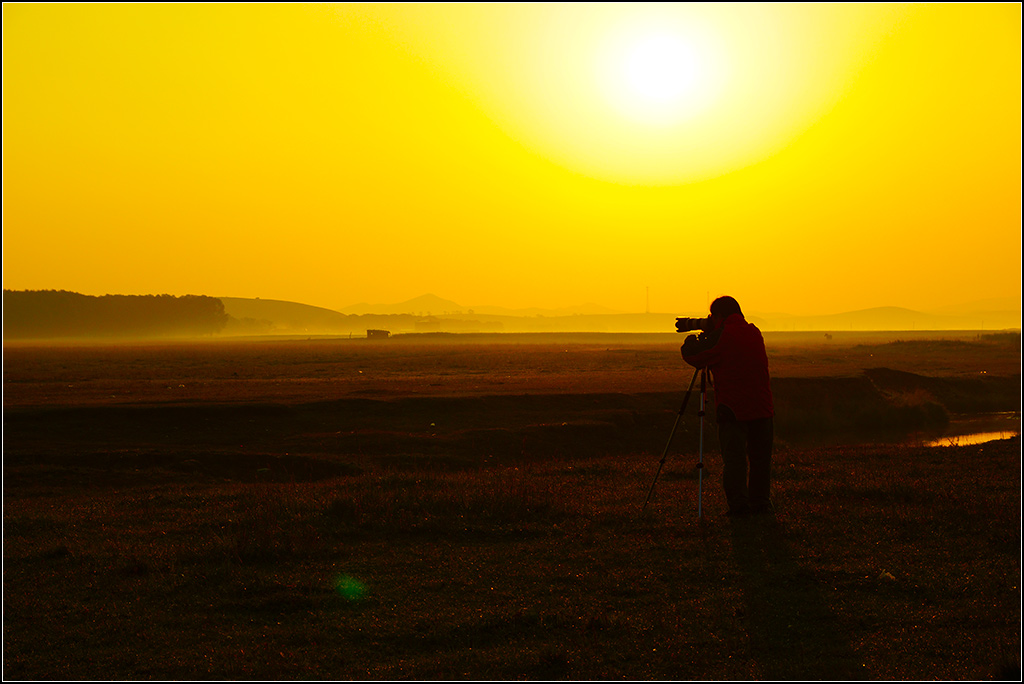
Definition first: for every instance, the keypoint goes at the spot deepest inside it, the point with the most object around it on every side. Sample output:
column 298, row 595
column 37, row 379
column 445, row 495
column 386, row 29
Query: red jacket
column 739, row 367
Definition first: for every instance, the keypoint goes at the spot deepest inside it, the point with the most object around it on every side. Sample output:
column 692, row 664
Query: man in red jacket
column 733, row 351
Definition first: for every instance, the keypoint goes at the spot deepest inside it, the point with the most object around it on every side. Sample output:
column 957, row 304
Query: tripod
column 700, row 462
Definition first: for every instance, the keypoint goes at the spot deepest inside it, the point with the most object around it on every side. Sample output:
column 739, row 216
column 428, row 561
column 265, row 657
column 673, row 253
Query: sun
column 659, row 77
column 660, row 70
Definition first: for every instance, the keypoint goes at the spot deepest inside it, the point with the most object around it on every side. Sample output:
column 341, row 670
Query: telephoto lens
column 687, row 324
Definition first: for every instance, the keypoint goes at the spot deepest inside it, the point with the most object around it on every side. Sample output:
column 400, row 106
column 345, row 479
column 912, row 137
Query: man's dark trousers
column 743, row 442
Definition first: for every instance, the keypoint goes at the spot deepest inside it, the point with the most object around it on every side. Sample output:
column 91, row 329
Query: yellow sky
column 803, row 158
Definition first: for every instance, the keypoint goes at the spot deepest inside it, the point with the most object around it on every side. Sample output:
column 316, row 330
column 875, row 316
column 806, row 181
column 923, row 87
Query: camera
column 688, row 324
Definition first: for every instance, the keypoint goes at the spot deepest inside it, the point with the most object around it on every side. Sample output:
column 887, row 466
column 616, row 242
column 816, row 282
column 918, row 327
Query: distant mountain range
column 430, row 313
column 895, row 318
column 433, row 305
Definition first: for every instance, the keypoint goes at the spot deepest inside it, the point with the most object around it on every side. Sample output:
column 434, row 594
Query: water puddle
column 976, row 438
column 961, row 431
column 975, row 430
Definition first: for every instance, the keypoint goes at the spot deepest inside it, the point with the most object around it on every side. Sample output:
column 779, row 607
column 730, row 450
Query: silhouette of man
column 733, row 351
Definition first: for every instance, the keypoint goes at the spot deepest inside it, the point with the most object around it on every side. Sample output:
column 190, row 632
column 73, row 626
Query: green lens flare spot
column 349, row 588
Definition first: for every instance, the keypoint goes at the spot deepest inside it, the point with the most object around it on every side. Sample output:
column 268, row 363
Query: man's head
column 722, row 308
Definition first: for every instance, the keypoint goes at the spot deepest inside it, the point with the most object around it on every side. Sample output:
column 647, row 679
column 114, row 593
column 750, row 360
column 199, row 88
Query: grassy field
column 455, row 509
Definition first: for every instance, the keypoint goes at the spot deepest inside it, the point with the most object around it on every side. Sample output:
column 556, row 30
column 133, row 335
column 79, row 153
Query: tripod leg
column 700, row 462
column 664, row 454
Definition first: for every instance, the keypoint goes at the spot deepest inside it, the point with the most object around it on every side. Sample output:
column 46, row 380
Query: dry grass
column 881, row 563
column 154, row 543
column 298, row 371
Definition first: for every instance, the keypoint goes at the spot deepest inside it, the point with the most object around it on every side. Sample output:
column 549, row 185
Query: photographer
column 733, row 351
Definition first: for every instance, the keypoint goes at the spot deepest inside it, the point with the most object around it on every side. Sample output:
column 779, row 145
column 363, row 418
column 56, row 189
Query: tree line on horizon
column 61, row 314
column 42, row 314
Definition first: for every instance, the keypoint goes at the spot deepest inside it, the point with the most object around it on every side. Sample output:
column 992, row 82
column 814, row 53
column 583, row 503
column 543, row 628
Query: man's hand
column 690, row 345
column 702, row 343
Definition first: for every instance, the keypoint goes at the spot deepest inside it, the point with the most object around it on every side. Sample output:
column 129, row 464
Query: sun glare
column 660, row 78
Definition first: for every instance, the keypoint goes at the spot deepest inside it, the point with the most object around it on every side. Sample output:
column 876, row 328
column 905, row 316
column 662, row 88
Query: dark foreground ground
column 250, row 530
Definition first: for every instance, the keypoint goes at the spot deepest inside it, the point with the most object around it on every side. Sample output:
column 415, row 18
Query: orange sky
column 804, row 158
